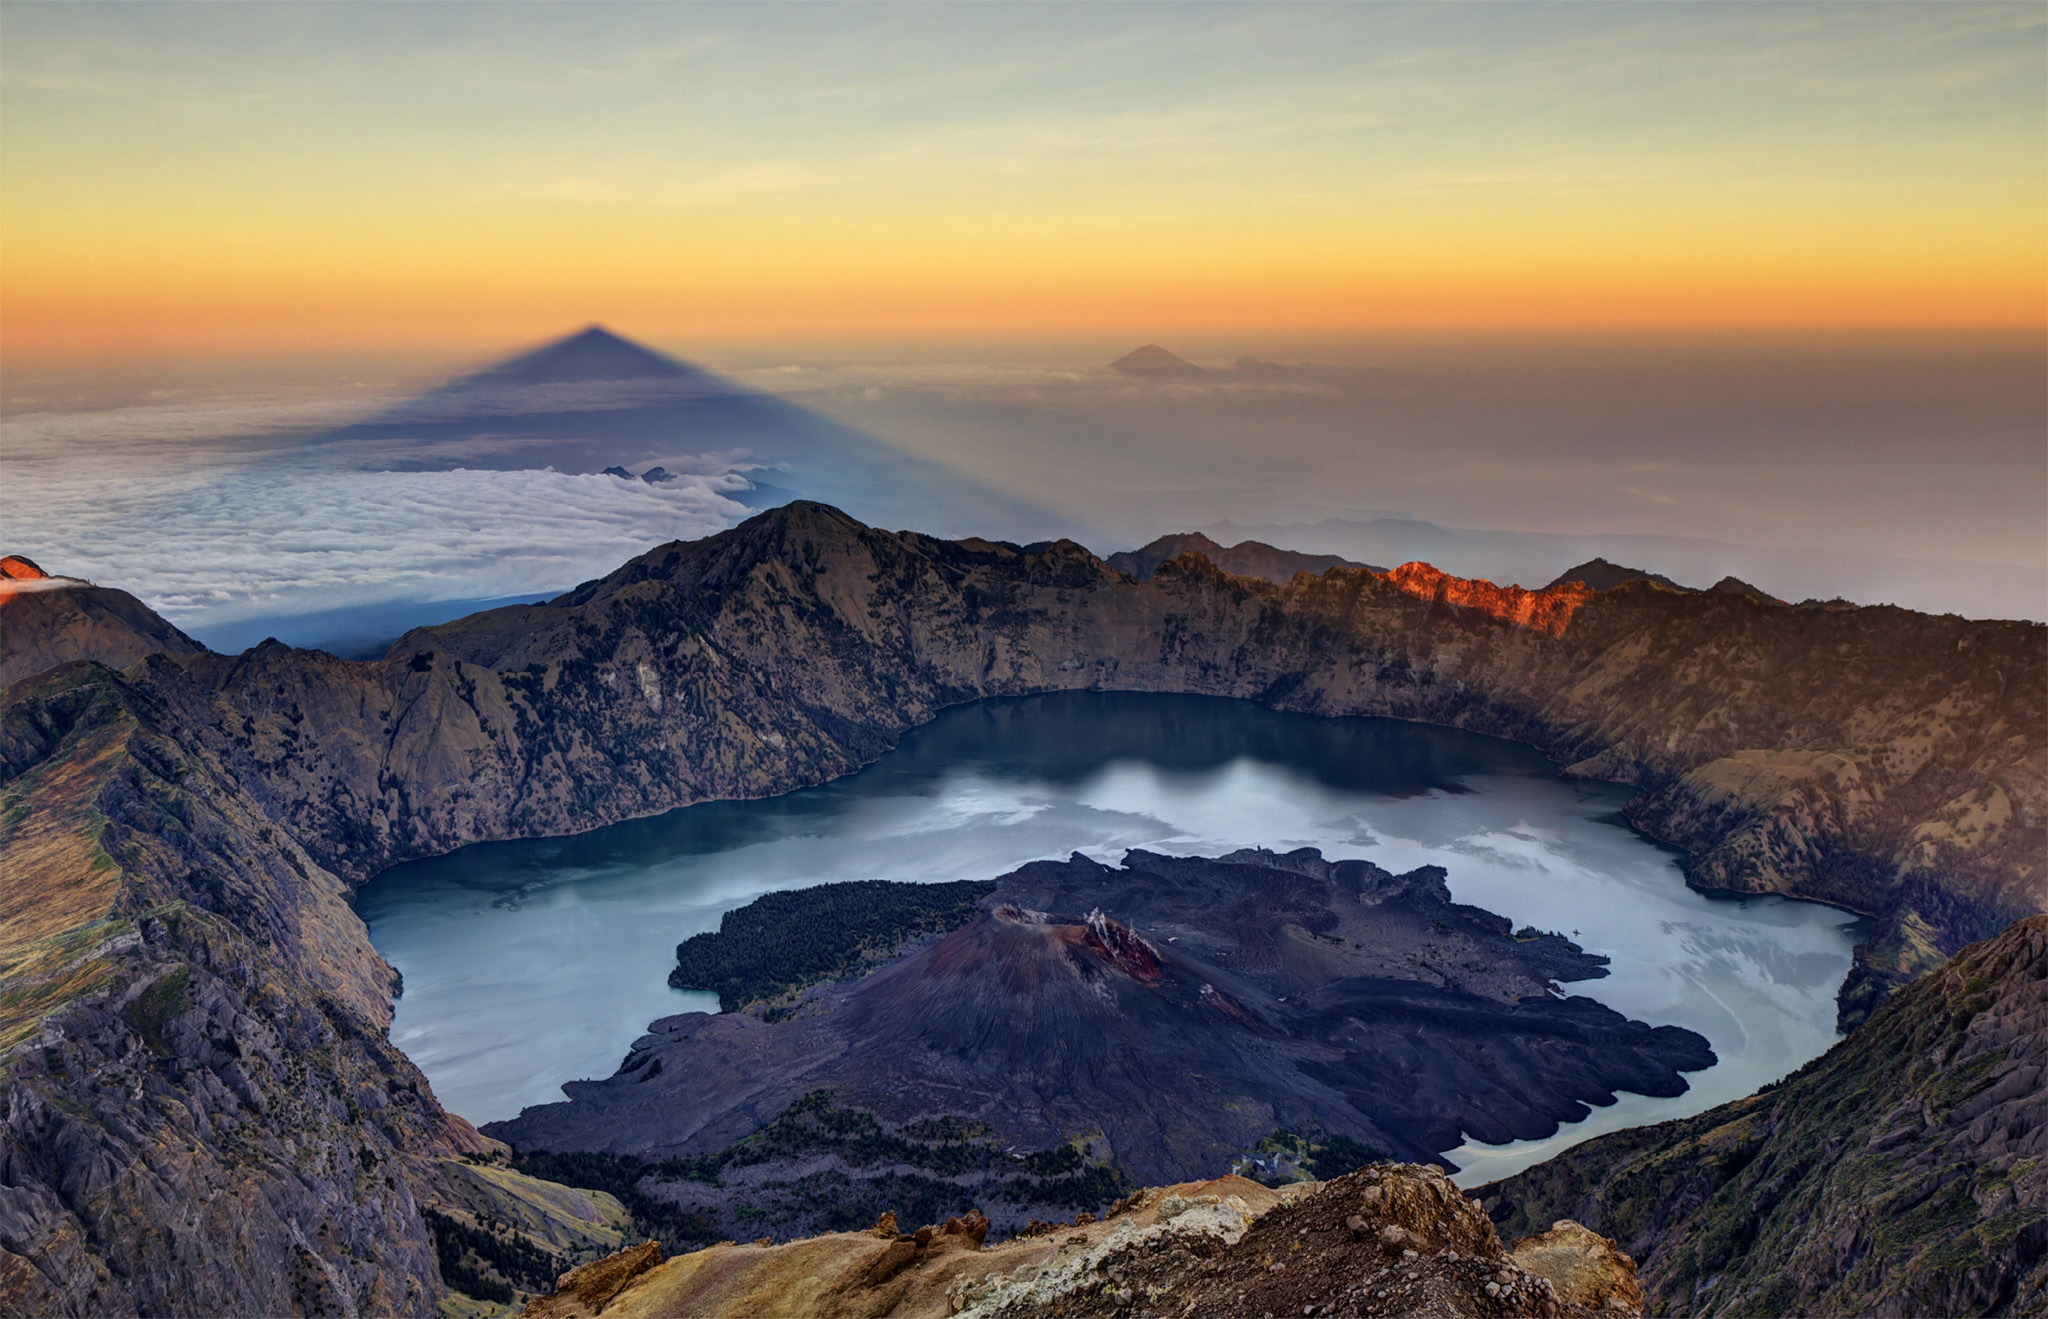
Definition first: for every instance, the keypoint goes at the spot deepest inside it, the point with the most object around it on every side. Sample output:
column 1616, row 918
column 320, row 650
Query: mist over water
column 532, row 963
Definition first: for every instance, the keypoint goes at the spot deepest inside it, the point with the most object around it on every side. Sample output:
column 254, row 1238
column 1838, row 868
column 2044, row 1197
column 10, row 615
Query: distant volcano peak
column 1152, row 360
column 594, row 353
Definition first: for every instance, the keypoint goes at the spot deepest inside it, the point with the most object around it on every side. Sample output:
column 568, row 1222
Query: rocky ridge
column 47, row 620
column 1393, row 1239
column 1601, row 575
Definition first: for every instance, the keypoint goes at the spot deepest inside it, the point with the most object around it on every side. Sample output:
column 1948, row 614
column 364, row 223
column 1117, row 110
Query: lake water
column 527, row 964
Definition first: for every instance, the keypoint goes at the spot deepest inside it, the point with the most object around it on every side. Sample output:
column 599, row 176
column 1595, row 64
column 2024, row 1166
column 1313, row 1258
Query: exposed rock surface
column 1390, row 1240
column 45, row 621
column 1904, row 1172
column 1248, row 558
column 203, row 1115
column 20, row 568
column 1179, row 1011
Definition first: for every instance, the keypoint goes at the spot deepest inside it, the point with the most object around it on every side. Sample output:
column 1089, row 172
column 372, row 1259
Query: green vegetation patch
column 782, row 943
column 156, row 1007
column 488, row 1262
column 1287, row 1155
column 620, row 1175
column 944, row 1147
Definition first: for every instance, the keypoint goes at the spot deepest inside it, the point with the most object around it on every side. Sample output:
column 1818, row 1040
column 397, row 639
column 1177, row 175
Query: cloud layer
column 208, row 535
column 1879, row 469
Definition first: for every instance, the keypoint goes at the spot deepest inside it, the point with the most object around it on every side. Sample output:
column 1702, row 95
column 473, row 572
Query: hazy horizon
column 1894, row 467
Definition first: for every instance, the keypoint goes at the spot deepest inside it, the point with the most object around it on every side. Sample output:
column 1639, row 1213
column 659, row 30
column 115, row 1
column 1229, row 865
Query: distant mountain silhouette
column 595, row 401
column 1249, row 558
column 1152, row 360
column 1604, row 576
column 1736, row 586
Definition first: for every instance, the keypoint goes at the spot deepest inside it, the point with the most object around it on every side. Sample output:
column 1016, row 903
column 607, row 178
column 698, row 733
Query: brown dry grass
column 57, row 886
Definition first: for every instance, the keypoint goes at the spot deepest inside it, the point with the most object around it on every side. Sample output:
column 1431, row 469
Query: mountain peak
column 593, row 353
column 16, row 567
column 1152, row 360
column 1604, row 576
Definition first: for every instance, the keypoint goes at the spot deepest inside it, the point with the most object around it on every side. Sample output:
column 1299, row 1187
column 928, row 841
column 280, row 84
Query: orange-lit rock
column 16, row 568
column 1548, row 611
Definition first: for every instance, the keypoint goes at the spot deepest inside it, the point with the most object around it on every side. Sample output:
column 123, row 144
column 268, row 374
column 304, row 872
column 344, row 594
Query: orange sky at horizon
column 314, row 177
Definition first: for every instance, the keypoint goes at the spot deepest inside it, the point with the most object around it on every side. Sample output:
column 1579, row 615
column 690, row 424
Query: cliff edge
column 1905, row 1171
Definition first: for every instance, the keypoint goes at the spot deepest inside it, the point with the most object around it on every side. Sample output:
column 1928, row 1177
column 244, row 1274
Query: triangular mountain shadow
column 595, row 400
column 592, row 354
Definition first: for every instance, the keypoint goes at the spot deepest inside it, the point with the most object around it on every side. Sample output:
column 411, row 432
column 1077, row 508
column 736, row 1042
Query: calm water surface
column 531, row 963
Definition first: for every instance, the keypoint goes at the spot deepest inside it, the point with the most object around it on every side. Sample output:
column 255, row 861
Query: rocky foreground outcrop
column 203, row 1115
column 1393, row 1239
column 1904, row 1172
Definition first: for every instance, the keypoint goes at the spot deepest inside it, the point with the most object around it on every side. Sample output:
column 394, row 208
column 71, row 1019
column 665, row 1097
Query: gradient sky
column 226, row 178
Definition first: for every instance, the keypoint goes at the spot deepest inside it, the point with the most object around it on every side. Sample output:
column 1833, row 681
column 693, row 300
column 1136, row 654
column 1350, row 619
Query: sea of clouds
column 214, row 513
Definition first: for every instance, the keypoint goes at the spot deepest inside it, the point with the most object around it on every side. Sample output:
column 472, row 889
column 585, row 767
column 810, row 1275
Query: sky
column 1758, row 289
column 181, row 179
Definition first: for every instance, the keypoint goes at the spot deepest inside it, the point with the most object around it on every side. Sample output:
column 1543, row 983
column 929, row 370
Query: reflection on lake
column 527, row 964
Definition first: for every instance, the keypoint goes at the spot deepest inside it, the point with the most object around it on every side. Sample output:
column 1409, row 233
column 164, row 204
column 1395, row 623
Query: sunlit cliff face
column 1548, row 611
column 15, row 568
column 19, row 575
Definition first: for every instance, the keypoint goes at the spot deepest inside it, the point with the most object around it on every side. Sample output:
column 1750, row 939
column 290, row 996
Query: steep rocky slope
column 203, row 1115
column 1394, row 1239
column 47, row 620
column 1904, row 1172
